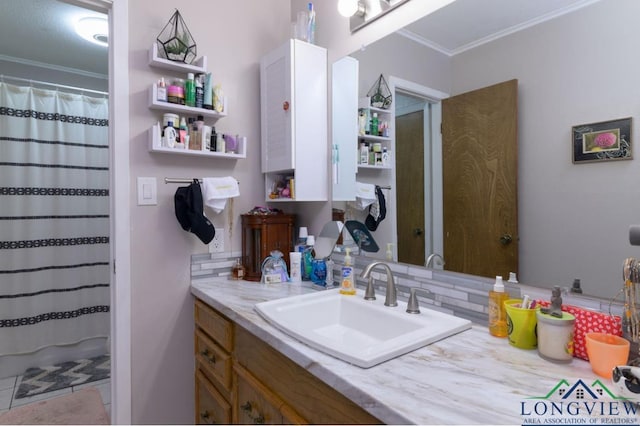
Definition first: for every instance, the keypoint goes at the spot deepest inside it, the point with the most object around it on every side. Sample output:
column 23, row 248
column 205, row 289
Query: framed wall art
column 603, row 141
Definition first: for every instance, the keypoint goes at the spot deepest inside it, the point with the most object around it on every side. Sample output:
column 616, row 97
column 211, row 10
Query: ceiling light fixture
column 348, row 8
column 94, row 29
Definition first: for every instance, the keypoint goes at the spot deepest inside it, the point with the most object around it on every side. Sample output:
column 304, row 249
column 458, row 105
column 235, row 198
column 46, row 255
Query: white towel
column 365, row 195
column 216, row 191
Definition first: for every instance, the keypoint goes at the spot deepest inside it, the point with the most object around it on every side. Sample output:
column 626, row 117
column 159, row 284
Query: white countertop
column 469, row 378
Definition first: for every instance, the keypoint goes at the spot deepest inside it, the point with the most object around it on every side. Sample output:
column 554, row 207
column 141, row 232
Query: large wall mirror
column 576, row 68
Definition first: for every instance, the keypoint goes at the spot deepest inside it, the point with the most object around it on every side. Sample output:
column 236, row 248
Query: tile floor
column 9, row 387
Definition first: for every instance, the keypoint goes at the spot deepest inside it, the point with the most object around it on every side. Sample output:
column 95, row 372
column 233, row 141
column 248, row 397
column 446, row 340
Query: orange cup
column 606, row 351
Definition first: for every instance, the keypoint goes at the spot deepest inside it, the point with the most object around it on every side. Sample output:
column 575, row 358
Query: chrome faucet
column 432, row 257
column 391, row 296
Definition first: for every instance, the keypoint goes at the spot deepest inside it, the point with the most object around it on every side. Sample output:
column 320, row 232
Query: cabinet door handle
column 209, row 357
column 247, row 408
column 506, row 239
column 206, row 417
column 285, row 106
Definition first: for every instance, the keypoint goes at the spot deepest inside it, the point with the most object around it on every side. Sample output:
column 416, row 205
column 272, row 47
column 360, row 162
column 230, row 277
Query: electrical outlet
column 217, row 244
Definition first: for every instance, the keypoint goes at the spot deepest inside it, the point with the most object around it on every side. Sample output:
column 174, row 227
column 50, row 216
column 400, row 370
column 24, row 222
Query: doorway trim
column 433, row 179
column 118, row 12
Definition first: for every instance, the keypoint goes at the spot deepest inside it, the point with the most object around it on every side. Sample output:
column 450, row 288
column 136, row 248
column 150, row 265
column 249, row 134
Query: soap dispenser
column 346, row 283
column 497, row 312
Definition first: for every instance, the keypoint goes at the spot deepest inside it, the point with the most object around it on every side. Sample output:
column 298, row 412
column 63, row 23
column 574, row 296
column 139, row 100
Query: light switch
column 147, row 191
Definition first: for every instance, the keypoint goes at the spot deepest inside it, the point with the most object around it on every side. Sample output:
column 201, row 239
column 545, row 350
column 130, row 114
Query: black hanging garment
column 190, row 212
column 377, row 211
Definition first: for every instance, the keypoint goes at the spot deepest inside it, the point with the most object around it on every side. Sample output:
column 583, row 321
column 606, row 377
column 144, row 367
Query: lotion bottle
column 346, row 283
column 497, row 312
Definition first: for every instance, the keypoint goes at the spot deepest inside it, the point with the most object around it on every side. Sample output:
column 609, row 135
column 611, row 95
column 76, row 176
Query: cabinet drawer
column 211, row 407
column 219, row 328
column 213, row 360
column 255, row 404
column 312, row 398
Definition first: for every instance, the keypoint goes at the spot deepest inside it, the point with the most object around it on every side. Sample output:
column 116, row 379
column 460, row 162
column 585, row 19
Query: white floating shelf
column 375, row 138
column 154, row 103
column 198, row 66
column 155, row 145
column 367, row 166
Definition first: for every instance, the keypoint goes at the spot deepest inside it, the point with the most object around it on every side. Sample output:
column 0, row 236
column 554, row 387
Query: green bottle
column 190, row 91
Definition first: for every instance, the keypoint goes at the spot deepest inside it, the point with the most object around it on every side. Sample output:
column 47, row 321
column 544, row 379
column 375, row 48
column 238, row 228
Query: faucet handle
column 370, row 292
column 413, row 307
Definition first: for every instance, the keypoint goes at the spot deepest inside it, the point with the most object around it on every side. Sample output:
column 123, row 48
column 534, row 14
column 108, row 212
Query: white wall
column 161, row 305
column 577, row 69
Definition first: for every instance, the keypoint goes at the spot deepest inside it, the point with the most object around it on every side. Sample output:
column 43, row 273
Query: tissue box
column 586, row 322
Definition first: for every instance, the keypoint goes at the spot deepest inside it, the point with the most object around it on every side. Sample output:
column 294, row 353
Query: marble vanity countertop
column 469, row 378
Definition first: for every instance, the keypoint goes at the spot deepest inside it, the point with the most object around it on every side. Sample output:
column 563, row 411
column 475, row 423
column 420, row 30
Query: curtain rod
column 184, row 180
column 57, row 86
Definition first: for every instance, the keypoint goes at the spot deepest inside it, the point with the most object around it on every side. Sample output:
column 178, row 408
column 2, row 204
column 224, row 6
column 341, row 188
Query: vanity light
column 348, row 8
column 94, row 29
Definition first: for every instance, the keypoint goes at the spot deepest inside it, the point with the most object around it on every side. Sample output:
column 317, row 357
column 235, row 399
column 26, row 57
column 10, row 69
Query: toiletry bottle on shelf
column 385, row 157
column 161, row 94
column 374, row 125
column 214, row 140
column 311, row 25
column 497, row 312
column 190, row 91
column 346, row 283
column 199, row 90
column 389, row 253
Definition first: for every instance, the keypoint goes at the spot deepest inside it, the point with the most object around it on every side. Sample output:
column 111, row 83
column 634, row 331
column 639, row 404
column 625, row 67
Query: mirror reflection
column 572, row 218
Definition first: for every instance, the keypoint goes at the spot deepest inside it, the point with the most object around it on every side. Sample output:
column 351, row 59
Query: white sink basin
column 361, row 332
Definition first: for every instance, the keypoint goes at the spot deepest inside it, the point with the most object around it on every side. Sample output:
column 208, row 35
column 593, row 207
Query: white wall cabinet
column 344, row 128
column 293, row 98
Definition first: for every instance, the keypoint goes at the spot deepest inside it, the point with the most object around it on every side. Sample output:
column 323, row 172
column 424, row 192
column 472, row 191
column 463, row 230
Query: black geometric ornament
column 175, row 41
column 380, row 94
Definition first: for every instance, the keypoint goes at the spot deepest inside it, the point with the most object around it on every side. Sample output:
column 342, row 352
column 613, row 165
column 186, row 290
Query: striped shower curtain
column 54, row 218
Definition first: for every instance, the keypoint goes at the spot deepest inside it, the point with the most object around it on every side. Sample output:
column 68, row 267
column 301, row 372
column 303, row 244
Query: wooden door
column 410, row 188
column 480, row 159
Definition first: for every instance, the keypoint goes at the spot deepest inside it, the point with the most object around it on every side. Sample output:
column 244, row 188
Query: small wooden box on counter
column 261, row 234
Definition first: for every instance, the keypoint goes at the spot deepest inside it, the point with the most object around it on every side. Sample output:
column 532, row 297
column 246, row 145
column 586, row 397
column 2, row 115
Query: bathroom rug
column 37, row 380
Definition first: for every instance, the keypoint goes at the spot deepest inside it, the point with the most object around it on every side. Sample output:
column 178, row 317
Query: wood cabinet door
column 255, row 404
column 211, row 407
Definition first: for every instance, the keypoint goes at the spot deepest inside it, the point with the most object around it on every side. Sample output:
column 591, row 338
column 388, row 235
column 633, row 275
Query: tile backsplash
column 462, row 295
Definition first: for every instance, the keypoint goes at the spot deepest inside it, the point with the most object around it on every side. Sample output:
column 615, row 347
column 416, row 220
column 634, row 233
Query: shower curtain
column 54, row 218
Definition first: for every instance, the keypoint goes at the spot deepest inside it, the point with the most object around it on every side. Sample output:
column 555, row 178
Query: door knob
column 506, row 239
column 417, row 232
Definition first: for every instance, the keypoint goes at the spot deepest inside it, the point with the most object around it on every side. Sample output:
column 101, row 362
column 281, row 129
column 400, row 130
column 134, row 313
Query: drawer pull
column 248, row 410
column 208, row 356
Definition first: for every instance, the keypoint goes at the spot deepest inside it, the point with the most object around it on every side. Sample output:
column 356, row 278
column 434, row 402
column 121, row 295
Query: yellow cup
column 606, row 351
column 521, row 325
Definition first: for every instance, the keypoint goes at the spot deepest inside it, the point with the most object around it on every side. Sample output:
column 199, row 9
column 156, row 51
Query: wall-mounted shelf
column 155, row 145
column 154, row 103
column 198, row 66
column 367, row 166
column 374, row 138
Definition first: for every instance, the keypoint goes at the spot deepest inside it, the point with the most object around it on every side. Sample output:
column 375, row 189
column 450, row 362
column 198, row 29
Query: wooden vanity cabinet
column 265, row 386
column 213, row 344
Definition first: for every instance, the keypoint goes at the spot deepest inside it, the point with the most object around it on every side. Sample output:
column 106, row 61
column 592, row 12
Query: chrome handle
column 506, row 239
column 417, row 232
column 413, row 306
column 209, row 357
